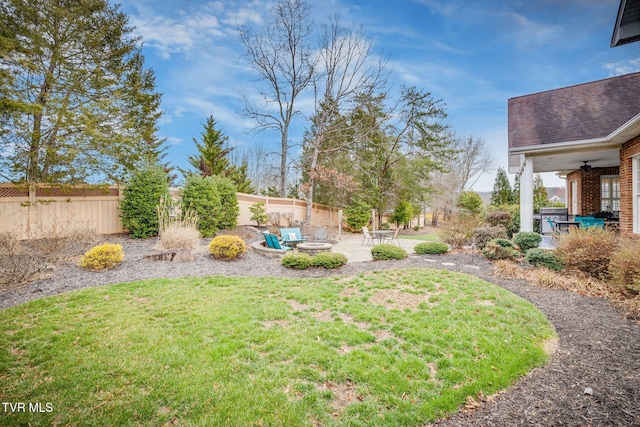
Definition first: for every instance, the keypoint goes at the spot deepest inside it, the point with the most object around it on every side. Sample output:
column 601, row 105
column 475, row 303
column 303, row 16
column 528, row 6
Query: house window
column 610, row 193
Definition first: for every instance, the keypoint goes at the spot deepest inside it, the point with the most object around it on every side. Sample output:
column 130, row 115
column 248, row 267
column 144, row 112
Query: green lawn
column 433, row 237
column 395, row 348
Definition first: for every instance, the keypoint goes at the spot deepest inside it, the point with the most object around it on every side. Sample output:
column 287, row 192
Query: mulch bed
column 593, row 379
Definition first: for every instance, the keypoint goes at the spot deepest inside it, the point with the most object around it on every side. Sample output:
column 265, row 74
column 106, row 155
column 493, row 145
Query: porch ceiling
column 565, row 159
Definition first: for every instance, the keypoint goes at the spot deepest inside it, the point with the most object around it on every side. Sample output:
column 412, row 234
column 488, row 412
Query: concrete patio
column 351, row 246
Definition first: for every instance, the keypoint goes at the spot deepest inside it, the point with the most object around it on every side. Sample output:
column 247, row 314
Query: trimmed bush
column 526, row 240
column 227, row 247
column 544, row 258
column 483, row 235
column 588, row 250
column 431, row 248
column 500, row 249
column 624, row 266
column 385, row 251
column 299, row 261
column 328, row 260
column 142, row 195
column 302, row 261
column 102, row 257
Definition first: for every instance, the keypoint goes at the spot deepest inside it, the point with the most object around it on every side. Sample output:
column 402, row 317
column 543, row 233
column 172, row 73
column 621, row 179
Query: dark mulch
column 593, row 379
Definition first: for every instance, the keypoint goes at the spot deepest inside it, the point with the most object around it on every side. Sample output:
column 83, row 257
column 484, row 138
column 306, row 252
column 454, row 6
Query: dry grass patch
column 508, row 269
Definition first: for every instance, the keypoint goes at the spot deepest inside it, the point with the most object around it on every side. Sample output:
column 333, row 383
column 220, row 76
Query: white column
column 526, row 194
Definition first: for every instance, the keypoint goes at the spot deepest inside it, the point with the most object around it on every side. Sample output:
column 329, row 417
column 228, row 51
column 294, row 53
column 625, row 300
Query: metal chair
column 366, row 235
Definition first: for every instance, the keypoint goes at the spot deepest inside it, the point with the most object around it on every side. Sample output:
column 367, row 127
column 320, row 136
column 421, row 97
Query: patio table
column 565, row 225
column 381, row 235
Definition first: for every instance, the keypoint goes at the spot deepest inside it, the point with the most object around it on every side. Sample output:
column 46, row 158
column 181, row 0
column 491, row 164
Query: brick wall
column 588, row 188
column 629, row 149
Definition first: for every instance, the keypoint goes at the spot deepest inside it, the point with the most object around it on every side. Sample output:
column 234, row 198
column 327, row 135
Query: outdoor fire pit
column 313, row 248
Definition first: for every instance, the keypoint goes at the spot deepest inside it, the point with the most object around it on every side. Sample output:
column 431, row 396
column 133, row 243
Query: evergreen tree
column 540, row 196
column 212, row 158
column 212, row 151
column 77, row 100
column 502, row 193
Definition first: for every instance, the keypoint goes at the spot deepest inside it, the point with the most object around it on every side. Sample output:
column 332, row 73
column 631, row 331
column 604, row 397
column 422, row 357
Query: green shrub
column 526, row 240
column 624, row 266
column 142, row 195
column 544, row 258
column 470, row 201
column 299, row 261
column 328, row 260
column 229, row 208
column 386, row 251
column 358, row 214
column 505, row 243
column 588, row 250
column 227, row 247
column 385, row 226
column 494, row 250
column 483, row 235
column 102, row 257
column 431, row 248
column 201, row 195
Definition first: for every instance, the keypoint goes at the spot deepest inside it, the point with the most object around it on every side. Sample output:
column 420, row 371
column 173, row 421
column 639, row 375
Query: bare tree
column 347, row 66
column 280, row 52
column 471, row 158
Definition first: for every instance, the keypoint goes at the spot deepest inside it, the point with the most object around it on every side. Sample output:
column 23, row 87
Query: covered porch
column 588, row 134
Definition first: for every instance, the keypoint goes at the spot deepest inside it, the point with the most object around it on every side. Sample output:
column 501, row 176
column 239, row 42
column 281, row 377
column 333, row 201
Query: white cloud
column 528, row 32
column 622, row 67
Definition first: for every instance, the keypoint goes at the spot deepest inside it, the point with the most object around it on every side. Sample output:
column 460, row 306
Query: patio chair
column 591, row 222
column 366, row 235
column 391, row 238
column 292, row 235
column 275, row 243
column 395, row 236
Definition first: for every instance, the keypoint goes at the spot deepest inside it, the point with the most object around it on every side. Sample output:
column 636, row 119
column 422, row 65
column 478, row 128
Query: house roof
column 627, row 26
column 589, row 111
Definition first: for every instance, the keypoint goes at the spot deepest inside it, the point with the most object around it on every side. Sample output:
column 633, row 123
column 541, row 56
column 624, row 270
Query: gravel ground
column 593, row 379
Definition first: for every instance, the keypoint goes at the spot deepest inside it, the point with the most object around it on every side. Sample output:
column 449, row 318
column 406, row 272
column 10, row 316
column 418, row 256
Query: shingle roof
column 575, row 113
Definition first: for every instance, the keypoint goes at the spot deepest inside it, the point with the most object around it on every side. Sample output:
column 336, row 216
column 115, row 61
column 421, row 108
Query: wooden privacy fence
column 296, row 210
column 33, row 209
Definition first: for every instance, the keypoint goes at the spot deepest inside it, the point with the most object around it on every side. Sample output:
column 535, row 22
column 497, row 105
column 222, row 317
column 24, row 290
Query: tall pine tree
column 212, row 158
column 502, row 193
column 81, row 104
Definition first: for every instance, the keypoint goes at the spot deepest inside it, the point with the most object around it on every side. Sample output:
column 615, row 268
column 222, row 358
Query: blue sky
column 472, row 54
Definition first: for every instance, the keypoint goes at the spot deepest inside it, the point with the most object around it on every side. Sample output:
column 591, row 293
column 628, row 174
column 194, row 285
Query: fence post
column 340, row 224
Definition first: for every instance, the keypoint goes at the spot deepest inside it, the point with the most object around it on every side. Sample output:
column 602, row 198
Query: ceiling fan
column 586, row 167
